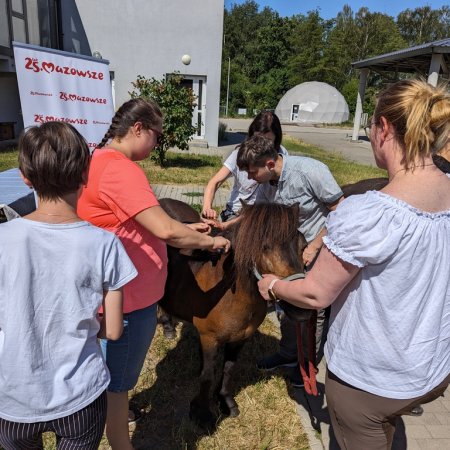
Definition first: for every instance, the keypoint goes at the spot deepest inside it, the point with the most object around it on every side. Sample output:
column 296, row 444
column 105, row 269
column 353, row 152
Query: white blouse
column 390, row 327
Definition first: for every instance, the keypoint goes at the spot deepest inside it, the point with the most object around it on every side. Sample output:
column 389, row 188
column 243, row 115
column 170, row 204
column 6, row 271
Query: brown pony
column 219, row 295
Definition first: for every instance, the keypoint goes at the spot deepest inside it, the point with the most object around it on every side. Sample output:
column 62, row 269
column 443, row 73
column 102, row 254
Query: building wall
column 10, row 102
column 149, row 37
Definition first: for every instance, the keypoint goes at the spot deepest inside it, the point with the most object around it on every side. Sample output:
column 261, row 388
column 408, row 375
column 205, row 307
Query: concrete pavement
column 328, row 138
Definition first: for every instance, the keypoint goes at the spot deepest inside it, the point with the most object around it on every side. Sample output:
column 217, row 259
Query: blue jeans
column 125, row 357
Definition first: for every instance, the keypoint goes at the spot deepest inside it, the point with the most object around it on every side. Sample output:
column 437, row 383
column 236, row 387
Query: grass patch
column 169, row 380
column 343, row 170
column 182, row 168
column 8, row 159
column 186, row 168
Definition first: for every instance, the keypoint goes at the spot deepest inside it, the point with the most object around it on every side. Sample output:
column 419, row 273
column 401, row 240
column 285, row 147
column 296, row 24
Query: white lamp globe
column 186, row 59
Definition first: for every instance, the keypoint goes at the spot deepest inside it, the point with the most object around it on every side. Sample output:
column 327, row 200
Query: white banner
column 65, row 87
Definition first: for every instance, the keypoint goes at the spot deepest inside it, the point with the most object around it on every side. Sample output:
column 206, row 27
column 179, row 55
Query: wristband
column 270, row 290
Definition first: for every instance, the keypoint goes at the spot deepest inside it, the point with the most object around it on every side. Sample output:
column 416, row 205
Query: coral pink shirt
column 117, row 190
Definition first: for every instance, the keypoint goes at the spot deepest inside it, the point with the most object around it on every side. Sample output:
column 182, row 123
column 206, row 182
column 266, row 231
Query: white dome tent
column 312, row 102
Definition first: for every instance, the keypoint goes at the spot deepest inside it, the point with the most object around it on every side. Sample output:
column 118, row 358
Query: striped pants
column 81, row 430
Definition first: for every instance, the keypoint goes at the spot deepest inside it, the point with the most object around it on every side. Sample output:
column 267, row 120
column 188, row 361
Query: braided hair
column 135, row 110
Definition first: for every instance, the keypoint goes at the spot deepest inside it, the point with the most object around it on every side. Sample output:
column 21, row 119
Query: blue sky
column 329, row 9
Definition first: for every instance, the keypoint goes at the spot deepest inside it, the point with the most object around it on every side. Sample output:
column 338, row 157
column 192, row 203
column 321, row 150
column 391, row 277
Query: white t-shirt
column 243, row 188
column 52, row 278
column 390, row 327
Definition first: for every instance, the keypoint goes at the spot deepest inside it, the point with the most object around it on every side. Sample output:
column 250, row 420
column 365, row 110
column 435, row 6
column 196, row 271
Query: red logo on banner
column 80, row 98
column 48, row 67
column 39, row 118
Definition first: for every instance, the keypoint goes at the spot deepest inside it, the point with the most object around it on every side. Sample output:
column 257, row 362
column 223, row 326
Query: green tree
column 341, row 48
column 177, row 104
column 253, row 42
column 306, row 60
column 378, row 34
column 270, row 54
column 421, row 25
column 350, row 92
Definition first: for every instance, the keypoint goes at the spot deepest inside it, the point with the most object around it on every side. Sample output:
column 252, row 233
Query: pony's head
column 267, row 238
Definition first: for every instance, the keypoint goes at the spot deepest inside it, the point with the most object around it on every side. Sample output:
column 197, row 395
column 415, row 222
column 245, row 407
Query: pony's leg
column 166, row 320
column 228, row 405
column 200, row 411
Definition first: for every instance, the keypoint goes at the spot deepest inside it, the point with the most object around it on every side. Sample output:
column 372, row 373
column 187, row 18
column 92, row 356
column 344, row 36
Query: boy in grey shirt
column 288, row 180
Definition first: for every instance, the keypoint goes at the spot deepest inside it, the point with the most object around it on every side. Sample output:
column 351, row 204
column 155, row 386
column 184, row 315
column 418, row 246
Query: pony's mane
column 263, row 229
column 266, row 228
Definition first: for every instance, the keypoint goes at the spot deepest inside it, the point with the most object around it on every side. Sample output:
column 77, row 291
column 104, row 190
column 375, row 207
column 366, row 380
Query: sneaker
column 274, row 361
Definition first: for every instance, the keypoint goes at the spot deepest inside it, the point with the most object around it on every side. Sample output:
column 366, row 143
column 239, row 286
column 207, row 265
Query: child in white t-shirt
column 56, row 272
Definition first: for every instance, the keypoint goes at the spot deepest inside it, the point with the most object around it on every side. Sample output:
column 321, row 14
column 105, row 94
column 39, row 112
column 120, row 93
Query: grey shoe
column 274, row 361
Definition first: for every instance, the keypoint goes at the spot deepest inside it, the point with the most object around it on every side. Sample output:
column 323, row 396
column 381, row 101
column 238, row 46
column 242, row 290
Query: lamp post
column 228, row 87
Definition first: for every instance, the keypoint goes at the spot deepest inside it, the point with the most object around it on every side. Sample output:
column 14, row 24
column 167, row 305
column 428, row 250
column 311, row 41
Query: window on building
column 4, row 26
column 29, row 21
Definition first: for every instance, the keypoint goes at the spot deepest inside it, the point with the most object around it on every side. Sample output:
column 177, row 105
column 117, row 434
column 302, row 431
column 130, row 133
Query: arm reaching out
column 210, row 191
column 175, row 233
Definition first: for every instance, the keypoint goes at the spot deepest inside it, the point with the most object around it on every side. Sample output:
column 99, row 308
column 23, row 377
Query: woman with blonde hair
column 385, row 270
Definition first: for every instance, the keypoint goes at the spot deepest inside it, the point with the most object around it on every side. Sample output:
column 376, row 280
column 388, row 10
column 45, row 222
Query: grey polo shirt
column 309, row 183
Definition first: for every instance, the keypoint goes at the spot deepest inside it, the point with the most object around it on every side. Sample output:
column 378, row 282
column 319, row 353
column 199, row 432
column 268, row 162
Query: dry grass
column 169, row 380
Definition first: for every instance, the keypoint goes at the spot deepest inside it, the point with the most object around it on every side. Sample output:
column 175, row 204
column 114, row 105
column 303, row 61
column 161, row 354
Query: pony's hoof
column 234, row 412
column 227, row 409
column 169, row 333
